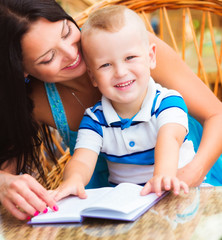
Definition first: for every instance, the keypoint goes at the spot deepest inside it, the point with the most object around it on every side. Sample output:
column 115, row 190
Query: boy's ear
column 94, row 83
column 152, row 55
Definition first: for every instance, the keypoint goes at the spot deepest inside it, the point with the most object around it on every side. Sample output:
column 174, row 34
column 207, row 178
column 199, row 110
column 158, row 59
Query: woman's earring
column 27, row 80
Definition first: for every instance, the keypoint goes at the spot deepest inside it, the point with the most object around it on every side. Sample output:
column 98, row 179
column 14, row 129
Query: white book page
column 123, row 198
column 111, row 214
column 70, row 208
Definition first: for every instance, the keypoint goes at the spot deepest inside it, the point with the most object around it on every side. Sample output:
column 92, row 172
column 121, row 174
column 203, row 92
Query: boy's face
column 119, row 63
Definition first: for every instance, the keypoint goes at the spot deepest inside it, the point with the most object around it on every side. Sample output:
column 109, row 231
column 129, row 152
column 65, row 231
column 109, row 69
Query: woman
column 41, row 43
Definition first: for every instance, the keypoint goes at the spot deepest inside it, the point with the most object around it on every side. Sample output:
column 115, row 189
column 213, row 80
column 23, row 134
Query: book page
column 70, row 208
column 123, row 202
column 123, row 198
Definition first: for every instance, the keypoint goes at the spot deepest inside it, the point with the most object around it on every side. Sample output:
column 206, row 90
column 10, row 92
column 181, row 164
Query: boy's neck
column 128, row 110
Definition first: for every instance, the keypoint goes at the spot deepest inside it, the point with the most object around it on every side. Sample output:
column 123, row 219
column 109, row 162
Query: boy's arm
column 77, row 174
column 82, row 163
column 169, row 139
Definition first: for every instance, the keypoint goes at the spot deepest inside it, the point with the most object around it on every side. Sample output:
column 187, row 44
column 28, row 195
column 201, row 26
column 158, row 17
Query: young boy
column 139, row 126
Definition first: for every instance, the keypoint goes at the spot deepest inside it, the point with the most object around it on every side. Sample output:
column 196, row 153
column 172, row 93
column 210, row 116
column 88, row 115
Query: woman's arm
column 172, row 72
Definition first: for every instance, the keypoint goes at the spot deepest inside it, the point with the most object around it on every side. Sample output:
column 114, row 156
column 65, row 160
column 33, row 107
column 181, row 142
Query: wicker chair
column 190, row 27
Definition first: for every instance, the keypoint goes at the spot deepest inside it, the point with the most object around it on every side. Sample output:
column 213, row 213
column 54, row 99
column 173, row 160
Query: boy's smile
column 125, row 84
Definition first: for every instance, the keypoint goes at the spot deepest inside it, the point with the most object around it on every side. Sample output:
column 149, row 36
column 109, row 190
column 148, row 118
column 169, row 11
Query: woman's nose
column 68, row 51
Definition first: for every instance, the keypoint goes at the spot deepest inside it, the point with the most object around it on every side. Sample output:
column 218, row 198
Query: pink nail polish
column 28, row 218
column 45, row 211
column 36, row 213
column 55, row 208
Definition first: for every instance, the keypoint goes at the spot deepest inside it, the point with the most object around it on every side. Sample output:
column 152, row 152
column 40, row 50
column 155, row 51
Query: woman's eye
column 49, row 60
column 67, row 30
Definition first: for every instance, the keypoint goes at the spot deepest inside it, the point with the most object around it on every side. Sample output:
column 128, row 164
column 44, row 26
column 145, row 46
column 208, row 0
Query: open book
column 122, row 202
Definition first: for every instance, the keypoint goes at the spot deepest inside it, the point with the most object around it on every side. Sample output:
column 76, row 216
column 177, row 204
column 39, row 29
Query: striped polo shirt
column 128, row 144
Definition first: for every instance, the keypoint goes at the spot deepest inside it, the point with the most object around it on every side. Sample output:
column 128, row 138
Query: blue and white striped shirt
column 129, row 144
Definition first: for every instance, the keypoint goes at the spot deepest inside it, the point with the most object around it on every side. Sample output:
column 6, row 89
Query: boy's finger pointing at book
column 65, row 190
column 146, row 189
column 81, row 191
column 61, row 192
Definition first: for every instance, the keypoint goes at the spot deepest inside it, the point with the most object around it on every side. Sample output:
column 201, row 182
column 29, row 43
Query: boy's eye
column 105, row 65
column 130, row 57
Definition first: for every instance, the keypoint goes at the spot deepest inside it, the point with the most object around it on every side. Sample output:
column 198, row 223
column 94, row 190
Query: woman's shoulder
column 73, row 102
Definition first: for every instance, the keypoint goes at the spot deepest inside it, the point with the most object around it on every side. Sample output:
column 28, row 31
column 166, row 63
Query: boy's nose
column 120, row 70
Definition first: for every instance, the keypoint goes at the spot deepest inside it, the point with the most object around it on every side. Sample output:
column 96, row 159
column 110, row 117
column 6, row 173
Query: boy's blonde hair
column 112, row 19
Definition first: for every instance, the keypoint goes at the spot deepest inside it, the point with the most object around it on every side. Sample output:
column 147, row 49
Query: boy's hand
column 161, row 183
column 67, row 188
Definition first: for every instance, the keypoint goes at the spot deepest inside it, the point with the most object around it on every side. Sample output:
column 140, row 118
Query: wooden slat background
column 73, row 7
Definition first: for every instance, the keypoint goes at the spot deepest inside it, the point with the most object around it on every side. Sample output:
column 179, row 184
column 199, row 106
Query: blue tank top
column 59, row 116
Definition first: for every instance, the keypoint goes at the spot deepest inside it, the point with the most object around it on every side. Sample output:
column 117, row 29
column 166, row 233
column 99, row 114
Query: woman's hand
column 73, row 186
column 23, row 196
column 161, row 183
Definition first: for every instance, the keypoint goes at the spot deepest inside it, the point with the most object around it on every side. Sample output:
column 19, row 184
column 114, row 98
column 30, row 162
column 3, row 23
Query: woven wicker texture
column 184, row 25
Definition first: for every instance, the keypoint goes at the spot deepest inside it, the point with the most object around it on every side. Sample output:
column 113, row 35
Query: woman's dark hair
column 20, row 135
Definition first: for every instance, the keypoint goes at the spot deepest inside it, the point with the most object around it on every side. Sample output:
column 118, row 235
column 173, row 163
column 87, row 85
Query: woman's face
column 51, row 51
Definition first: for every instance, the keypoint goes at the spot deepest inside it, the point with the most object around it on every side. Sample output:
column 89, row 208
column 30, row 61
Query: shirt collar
column 144, row 114
column 109, row 112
